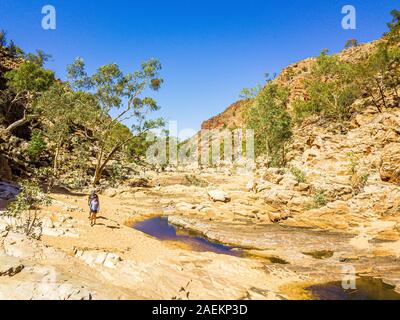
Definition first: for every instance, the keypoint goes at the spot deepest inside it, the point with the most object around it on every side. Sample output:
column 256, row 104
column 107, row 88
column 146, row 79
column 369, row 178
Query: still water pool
column 366, row 289
column 160, row 228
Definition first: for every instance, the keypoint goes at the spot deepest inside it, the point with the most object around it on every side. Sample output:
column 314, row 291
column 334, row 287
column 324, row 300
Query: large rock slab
column 42, row 283
column 20, row 246
column 9, row 266
column 98, row 258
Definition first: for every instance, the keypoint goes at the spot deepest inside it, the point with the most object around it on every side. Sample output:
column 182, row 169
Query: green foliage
column 351, row 43
column 24, row 85
column 14, row 50
column 250, row 93
column 76, row 180
column 271, row 122
column 77, row 117
column 304, row 109
column 36, row 146
column 116, row 174
column 40, row 58
column 396, row 19
column 3, row 38
column 121, row 93
column 379, row 74
column 358, row 180
column 44, row 175
column 393, row 35
column 320, row 199
column 78, row 166
column 353, row 162
column 66, row 112
column 30, row 78
column 30, row 197
column 299, row 175
column 23, row 210
column 331, row 90
column 290, row 73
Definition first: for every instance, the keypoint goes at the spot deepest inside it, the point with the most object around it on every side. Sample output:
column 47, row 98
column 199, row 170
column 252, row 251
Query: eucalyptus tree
column 267, row 115
column 62, row 112
column 331, row 89
column 394, row 26
column 378, row 75
column 120, row 98
column 351, row 43
column 25, row 84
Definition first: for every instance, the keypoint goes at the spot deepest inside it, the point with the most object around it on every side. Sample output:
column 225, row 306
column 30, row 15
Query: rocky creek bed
column 212, row 249
column 321, row 254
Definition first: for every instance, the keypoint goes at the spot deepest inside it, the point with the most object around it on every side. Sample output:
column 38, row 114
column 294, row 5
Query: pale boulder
column 274, row 216
column 251, row 185
column 98, row 258
column 218, row 196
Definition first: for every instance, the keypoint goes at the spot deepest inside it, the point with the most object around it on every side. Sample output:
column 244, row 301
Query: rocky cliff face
column 293, row 77
column 231, row 118
column 338, row 177
column 7, row 62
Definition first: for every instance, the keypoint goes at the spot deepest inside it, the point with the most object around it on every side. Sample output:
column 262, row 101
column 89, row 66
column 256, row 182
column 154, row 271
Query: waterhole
column 366, row 289
column 160, row 228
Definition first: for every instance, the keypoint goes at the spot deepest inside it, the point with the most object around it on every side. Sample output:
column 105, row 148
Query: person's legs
column 93, row 218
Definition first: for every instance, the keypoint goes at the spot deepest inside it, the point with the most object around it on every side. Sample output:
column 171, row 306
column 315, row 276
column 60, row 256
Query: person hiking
column 94, row 206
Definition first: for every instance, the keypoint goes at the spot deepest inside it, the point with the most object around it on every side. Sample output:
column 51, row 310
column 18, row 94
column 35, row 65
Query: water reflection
column 160, row 228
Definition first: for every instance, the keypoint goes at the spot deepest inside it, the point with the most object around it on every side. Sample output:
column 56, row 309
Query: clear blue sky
column 210, row 49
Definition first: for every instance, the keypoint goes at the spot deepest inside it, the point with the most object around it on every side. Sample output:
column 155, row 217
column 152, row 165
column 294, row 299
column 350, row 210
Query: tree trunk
column 376, row 104
column 55, row 166
column 284, row 154
column 382, row 93
column 101, row 165
column 18, row 124
column 98, row 172
column 97, row 177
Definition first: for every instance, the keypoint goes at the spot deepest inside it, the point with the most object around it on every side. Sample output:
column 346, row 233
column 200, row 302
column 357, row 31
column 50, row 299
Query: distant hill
column 293, row 77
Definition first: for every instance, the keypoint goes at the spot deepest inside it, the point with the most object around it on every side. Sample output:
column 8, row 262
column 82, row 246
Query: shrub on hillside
column 299, row 175
column 331, row 90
